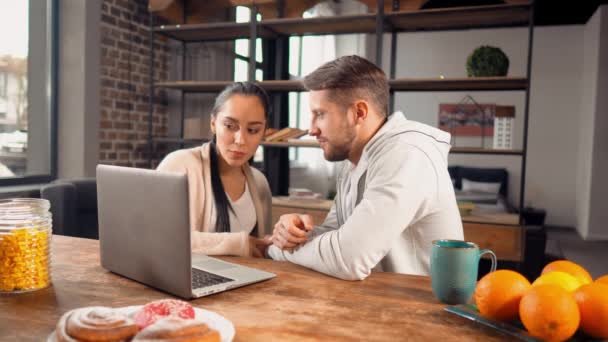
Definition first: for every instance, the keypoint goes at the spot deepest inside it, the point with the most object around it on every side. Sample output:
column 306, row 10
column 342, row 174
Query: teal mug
column 454, row 267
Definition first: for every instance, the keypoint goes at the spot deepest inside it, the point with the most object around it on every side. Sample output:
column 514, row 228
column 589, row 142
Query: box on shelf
column 503, row 127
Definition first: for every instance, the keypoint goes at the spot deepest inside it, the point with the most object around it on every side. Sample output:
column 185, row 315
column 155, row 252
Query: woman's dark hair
column 222, row 204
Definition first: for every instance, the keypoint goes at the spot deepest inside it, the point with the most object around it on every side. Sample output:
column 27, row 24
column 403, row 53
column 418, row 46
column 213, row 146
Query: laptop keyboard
column 204, row 279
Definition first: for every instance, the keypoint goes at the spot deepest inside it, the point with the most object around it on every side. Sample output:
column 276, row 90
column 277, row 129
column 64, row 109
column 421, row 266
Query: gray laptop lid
column 144, row 229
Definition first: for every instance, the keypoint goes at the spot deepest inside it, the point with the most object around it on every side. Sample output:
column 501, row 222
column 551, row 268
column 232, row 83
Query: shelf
column 476, row 150
column 217, row 86
column 364, row 23
column 401, row 84
column 492, row 218
column 284, row 144
column 300, row 143
column 459, row 84
column 460, row 18
column 314, row 143
column 210, row 32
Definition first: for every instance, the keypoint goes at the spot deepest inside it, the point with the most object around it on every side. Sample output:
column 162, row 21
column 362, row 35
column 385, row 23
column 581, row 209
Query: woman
column 229, row 201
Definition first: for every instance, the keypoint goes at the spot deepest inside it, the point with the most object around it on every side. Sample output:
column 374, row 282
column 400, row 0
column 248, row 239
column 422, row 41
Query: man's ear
column 361, row 110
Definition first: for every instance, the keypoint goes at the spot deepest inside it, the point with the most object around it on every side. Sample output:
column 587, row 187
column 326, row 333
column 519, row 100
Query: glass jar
column 25, row 244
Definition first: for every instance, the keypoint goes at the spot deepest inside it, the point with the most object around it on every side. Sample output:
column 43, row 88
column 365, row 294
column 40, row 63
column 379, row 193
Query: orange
column 549, row 312
column 592, row 300
column 603, row 279
column 569, row 267
column 562, row 279
column 497, row 294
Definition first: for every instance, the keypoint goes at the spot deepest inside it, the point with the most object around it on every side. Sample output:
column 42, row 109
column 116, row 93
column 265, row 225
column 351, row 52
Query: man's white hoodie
column 388, row 208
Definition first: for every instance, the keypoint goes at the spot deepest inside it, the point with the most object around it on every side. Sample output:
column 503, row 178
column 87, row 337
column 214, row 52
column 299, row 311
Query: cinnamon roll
column 95, row 324
column 172, row 329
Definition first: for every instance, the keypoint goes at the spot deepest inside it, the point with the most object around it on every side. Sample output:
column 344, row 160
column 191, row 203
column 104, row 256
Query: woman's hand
column 258, row 247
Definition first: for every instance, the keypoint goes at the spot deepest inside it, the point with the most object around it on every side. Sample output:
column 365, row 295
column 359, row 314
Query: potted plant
column 487, row 61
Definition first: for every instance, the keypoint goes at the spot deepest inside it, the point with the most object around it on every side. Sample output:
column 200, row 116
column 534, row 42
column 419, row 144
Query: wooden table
column 297, row 305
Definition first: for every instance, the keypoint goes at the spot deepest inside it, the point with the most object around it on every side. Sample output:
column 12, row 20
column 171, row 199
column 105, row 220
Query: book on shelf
column 285, row 134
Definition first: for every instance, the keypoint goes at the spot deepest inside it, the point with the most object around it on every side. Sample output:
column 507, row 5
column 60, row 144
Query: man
column 394, row 193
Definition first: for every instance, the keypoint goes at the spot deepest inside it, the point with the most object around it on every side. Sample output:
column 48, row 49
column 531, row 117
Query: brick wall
column 123, row 126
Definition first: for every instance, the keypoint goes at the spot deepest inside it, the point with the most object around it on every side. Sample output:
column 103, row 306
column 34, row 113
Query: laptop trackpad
column 213, row 265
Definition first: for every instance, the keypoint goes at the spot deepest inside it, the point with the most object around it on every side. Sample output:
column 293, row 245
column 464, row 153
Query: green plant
column 487, row 61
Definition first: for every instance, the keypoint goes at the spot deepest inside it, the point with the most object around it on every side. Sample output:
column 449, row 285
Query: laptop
column 144, row 235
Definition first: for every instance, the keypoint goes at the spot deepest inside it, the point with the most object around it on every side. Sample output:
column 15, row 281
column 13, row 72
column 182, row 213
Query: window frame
column 52, row 86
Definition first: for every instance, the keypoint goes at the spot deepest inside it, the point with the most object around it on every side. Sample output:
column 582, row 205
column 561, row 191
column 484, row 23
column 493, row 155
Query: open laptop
column 144, row 234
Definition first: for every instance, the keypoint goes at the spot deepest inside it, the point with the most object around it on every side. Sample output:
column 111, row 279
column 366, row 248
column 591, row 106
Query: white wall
column 78, row 112
column 555, row 101
column 586, row 117
column 38, row 156
column 598, row 215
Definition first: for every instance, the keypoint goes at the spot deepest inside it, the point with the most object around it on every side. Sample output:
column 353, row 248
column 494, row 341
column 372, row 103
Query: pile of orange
column 562, row 300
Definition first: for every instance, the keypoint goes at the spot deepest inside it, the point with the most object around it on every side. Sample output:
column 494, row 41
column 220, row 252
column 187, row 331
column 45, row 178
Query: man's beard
column 340, row 152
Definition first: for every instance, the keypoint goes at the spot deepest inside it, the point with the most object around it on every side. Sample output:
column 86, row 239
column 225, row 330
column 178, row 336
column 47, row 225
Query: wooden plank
column 492, row 218
column 458, row 84
column 504, row 240
column 210, row 31
column 363, row 23
column 476, row 150
column 291, row 143
column 409, row 84
column 217, row 86
column 459, row 18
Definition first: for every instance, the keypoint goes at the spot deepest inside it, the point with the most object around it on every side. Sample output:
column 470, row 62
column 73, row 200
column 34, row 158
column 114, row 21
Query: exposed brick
column 106, row 82
column 123, row 105
column 123, row 45
column 123, row 125
column 123, row 146
column 108, row 41
column 124, row 84
column 115, row 12
column 108, row 19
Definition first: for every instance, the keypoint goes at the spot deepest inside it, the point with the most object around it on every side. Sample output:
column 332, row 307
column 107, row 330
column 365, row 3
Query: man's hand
column 258, row 247
column 291, row 231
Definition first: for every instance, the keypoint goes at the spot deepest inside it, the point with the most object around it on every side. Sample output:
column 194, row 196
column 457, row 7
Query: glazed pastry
column 163, row 308
column 173, row 329
column 95, row 324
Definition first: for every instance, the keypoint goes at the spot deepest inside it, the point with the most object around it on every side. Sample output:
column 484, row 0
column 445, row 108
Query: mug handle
column 492, row 256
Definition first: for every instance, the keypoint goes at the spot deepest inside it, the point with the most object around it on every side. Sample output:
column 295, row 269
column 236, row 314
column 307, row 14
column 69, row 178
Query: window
column 27, row 91
column 241, row 49
column 241, row 61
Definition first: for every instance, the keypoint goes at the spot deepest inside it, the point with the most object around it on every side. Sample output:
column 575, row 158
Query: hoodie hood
column 416, row 133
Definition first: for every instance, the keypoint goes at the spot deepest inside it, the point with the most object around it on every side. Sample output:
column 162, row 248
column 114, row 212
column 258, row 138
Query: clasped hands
column 291, row 231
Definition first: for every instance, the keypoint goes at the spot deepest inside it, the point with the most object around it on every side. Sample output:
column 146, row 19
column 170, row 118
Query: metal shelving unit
column 275, row 33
